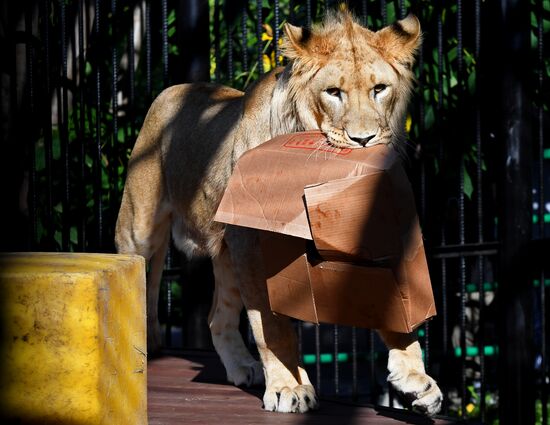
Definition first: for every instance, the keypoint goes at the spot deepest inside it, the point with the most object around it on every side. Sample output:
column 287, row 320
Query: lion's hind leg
column 407, row 373
column 152, row 244
column 241, row 367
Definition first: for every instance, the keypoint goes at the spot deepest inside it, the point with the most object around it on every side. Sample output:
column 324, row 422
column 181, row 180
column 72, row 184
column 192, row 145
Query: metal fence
column 77, row 79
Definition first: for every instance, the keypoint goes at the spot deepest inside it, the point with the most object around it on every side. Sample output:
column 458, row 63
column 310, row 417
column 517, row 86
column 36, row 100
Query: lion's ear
column 295, row 41
column 401, row 39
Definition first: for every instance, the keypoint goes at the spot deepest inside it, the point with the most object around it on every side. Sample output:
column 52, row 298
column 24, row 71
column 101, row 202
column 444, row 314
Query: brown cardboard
column 266, row 188
column 337, row 211
column 369, row 268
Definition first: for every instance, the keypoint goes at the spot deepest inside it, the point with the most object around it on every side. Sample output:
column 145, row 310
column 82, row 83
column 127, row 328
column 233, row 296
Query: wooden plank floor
column 190, row 389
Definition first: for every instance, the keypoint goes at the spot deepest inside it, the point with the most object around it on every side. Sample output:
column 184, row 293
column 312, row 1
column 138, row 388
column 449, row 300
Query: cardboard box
column 366, row 266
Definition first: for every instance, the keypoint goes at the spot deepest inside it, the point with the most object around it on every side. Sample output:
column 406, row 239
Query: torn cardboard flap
column 266, row 189
column 369, row 269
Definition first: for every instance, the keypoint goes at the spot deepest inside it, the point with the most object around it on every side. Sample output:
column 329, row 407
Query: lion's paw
column 419, row 389
column 248, row 375
column 299, row 399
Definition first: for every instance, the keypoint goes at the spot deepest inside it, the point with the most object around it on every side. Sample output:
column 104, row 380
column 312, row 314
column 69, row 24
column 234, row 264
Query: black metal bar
column 168, row 330
column 439, row 107
column 113, row 170
column 479, row 214
column 422, row 127
column 541, row 204
column 63, row 123
column 318, row 358
column 462, row 281
column 372, row 372
column 402, row 9
column 32, row 113
column 445, row 319
column 354, row 390
column 47, row 125
column 466, row 250
column 164, row 32
column 516, row 390
column 276, row 23
column 82, row 125
column 148, row 77
column 168, row 288
column 98, row 149
column 259, row 43
column 230, row 73
column 217, row 47
column 73, row 116
column 308, row 13
column 244, row 38
column 300, row 331
column 336, row 368
column 193, row 41
column 427, row 346
column 364, row 16
column 131, row 80
column 29, row 68
column 461, row 224
column 384, row 12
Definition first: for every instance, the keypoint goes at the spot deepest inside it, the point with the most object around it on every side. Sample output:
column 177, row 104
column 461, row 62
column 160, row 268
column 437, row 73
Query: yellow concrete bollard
column 73, row 338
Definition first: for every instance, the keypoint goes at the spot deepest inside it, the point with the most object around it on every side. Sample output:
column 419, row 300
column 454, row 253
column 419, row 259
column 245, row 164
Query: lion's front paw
column 419, row 389
column 248, row 375
column 291, row 400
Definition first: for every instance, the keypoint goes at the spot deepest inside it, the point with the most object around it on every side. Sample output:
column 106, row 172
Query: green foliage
column 85, row 198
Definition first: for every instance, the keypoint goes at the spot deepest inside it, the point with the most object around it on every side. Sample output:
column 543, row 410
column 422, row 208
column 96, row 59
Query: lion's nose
column 363, row 140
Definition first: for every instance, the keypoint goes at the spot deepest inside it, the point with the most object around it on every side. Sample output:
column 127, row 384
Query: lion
column 349, row 82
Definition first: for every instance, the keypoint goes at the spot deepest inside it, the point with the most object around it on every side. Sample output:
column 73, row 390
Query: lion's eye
column 334, row 91
column 379, row 88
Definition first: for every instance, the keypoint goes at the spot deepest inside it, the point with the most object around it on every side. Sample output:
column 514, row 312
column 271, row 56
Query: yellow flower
column 408, row 123
column 267, row 63
column 470, row 408
column 268, row 34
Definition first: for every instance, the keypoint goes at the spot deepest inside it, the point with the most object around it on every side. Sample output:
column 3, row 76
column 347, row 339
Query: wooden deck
column 190, row 389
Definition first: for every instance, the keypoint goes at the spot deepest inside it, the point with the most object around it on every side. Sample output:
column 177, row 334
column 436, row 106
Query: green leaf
column 472, row 82
column 73, row 235
column 88, row 161
column 57, row 237
column 391, row 16
column 468, row 186
column 121, row 135
column 429, row 118
column 451, row 56
column 453, row 81
column 171, row 17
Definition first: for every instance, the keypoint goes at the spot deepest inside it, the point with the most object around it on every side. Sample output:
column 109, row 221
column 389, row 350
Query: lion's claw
column 299, row 399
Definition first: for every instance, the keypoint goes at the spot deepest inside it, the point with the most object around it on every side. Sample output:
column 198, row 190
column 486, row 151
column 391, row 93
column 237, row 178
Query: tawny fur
column 345, row 80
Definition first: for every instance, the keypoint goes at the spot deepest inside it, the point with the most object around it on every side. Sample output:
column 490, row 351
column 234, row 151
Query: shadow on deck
column 189, row 387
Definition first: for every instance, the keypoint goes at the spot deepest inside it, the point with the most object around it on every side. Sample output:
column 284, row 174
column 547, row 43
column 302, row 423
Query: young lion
column 347, row 81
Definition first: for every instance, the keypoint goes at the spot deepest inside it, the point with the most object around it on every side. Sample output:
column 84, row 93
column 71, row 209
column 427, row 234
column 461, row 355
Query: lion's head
column 351, row 83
